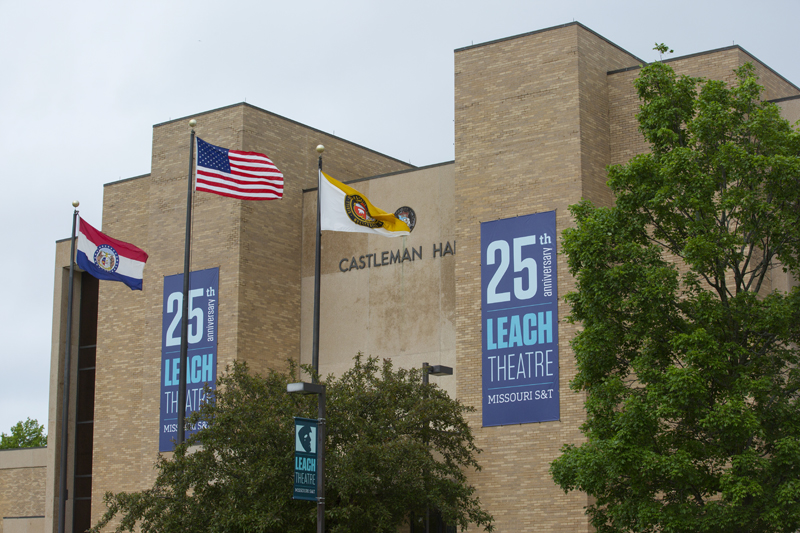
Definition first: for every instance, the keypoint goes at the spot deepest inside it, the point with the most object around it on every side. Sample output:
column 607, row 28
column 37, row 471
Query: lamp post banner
column 305, row 459
column 202, row 348
column 519, row 319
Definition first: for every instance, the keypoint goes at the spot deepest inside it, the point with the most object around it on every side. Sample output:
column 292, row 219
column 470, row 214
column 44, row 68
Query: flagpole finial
column 75, row 204
column 192, row 123
column 320, row 149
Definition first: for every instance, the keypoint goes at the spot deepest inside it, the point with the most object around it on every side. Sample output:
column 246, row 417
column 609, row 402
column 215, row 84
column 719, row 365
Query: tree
column 393, row 447
column 687, row 356
column 27, row 434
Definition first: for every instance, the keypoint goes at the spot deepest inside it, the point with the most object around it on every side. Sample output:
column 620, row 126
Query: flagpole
column 315, row 344
column 185, row 312
column 62, row 474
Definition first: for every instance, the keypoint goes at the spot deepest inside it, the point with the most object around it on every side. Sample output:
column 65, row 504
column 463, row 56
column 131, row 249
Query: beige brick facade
column 23, row 477
column 532, row 135
column 538, row 118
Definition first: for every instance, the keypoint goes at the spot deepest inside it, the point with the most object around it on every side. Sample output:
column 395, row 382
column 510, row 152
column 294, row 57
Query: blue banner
column 519, row 317
column 201, row 354
column 305, row 459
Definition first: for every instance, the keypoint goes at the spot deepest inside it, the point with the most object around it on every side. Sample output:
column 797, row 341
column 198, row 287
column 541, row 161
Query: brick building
column 538, row 117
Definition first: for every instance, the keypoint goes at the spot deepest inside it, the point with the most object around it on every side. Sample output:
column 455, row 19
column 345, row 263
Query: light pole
column 319, row 390
column 436, row 370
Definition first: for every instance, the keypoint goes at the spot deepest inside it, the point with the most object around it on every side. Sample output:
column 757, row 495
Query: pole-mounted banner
column 305, row 459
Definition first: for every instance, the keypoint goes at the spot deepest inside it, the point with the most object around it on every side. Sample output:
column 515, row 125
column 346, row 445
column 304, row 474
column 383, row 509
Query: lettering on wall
column 391, row 257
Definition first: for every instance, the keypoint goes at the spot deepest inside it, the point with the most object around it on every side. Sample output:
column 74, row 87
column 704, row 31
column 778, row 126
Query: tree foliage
column 393, row 447
column 688, row 357
column 27, row 434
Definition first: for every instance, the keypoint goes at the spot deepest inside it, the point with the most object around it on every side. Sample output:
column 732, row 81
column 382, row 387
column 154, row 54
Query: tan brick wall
column 55, row 405
column 22, row 487
column 790, row 109
column 537, row 121
column 596, row 59
column 254, row 244
column 126, row 389
column 532, row 135
column 626, row 141
column 269, row 290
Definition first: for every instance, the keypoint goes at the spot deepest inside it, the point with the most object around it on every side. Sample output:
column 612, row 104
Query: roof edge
column 714, row 51
column 126, row 179
column 551, row 28
column 245, row 104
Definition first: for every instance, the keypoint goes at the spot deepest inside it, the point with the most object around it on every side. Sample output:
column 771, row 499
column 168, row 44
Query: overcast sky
column 82, row 83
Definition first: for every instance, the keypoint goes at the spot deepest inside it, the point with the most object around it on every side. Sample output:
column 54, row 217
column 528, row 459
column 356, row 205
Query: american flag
column 237, row 174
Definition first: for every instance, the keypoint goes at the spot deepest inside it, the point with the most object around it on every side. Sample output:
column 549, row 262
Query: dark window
column 84, row 428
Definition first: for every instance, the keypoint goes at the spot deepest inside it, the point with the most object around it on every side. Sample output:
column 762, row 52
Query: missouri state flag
column 236, row 174
column 343, row 208
column 107, row 258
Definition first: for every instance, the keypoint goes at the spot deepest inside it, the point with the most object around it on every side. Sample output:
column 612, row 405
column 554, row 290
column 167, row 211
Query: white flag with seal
column 343, row 208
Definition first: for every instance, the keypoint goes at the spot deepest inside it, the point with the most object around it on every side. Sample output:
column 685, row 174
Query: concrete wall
column 405, row 310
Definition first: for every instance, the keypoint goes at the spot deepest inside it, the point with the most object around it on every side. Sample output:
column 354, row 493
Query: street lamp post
column 434, row 370
column 428, row 370
column 319, row 390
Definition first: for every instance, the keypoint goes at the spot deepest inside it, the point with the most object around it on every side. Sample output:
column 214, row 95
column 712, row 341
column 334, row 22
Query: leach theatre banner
column 519, row 314
column 305, row 459
column 202, row 352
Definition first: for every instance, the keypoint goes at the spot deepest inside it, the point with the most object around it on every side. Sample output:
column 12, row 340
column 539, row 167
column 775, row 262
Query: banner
column 519, row 317
column 201, row 354
column 305, row 459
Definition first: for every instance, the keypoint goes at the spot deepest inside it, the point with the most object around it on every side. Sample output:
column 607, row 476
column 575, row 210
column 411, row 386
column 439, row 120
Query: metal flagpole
column 315, row 366
column 62, row 474
column 185, row 312
column 315, row 344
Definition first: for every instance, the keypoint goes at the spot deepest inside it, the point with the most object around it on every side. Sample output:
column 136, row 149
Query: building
column 538, row 117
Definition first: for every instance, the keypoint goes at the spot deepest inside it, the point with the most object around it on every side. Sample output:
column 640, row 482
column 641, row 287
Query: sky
column 82, row 83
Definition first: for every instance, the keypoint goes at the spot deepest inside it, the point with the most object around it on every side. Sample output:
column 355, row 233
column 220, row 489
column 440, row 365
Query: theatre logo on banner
column 201, row 353
column 519, row 315
column 305, row 459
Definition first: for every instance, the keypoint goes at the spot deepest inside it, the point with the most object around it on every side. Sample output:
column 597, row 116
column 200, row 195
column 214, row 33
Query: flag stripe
column 225, row 185
column 240, row 180
column 256, row 174
column 232, row 193
column 123, row 248
column 258, row 162
column 249, row 155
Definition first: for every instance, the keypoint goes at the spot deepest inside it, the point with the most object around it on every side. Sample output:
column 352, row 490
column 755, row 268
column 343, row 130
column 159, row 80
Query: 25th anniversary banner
column 519, row 314
column 201, row 353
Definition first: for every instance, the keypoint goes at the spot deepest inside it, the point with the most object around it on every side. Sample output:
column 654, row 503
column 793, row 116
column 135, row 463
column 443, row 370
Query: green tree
column 393, row 448
column 688, row 358
column 27, row 434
